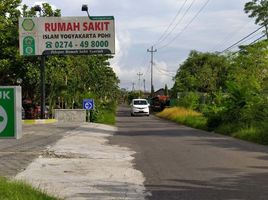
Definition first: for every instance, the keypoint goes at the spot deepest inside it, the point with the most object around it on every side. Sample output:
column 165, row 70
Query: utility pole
column 152, row 51
column 139, row 74
column 133, row 84
column 144, row 89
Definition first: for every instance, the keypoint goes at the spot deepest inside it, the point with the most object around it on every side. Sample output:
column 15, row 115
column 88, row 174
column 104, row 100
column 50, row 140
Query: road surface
column 187, row 164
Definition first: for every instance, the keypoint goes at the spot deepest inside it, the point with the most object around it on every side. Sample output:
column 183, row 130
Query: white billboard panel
column 67, row 35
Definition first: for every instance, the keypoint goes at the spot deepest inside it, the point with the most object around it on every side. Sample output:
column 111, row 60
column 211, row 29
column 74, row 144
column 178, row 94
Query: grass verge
column 106, row 117
column 16, row 190
column 184, row 116
column 256, row 132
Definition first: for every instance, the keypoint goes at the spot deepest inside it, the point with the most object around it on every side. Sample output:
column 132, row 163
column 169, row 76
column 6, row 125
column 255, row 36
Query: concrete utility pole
column 139, row 74
column 152, row 51
column 144, row 89
column 133, row 84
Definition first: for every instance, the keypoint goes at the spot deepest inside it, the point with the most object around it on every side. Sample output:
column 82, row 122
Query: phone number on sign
column 70, row 44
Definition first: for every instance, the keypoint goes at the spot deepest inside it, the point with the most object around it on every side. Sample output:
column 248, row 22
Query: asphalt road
column 188, row 164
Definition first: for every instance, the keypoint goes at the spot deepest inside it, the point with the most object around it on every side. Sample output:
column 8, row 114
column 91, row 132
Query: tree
column 166, row 90
column 201, row 72
column 9, row 67
column 258, row 9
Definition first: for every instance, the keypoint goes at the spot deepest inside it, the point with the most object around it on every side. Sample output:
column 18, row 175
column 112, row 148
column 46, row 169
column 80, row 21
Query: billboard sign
column 66, row 35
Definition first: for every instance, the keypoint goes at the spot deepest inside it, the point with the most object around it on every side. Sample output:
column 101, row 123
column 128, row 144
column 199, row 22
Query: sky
column 172, row 27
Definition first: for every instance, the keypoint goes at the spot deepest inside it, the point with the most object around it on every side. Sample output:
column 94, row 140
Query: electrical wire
column 229, row 37
column 259, row 38
column 184, row 29
column 253, row 36
column 171, row 23
column 161, row 71
column 235, row 44
column 180, row 20
column 264, row 35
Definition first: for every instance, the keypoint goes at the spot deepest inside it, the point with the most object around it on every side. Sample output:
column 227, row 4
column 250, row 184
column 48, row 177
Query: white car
column 140, row 107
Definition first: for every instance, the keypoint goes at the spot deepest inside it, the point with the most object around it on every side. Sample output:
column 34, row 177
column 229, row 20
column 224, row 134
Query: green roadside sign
column 10, row 112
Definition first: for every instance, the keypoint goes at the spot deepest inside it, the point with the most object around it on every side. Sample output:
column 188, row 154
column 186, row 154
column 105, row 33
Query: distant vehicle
column 140, row 107
column 160, row 102
column 33, row 111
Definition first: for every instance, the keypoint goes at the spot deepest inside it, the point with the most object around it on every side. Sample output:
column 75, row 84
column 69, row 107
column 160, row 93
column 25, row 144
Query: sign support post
column 42, row 87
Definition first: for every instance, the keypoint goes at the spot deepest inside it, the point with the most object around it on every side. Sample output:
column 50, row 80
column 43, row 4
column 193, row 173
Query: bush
column 189, row 100
column 185, row 116
column 104, row 113
column 256, row 133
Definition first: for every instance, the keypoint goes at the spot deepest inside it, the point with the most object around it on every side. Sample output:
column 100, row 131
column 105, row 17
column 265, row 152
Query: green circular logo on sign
column 3, row 119
column 28, row 24
column 28, row 46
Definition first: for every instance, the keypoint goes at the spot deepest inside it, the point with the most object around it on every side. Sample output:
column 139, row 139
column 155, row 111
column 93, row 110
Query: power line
column 180, row 20
column 253, row 36
column 233, row 45
column 171, row 23
column 229, row 37
column 190, row 22
column 264, row 35
column 165, row 73
column 259, row 38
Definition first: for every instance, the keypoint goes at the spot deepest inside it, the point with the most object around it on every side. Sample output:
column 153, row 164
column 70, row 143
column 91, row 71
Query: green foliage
column 201, row 72
column 104, row 113
column 233, row 90
column 185, row 116
column 132, row 95
column 166, row 90
column 258, row 9
column 14, row 190
column 189, row 100
column 199, row 122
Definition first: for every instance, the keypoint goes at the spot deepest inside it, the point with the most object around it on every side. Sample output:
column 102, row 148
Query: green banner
column 7, row 112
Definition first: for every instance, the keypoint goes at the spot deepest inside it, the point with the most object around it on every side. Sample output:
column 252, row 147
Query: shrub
column 189, row 100
column 185, row 116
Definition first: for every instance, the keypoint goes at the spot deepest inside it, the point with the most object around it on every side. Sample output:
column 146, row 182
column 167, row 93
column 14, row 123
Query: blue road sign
column 88, row 104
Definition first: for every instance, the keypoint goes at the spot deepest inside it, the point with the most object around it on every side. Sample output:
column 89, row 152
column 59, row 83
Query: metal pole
column 144, row 86
column 42, row 87
column 139, row 74
column 152, row 51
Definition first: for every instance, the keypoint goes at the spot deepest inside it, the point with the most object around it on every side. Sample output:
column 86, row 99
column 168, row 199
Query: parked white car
column 139, row 107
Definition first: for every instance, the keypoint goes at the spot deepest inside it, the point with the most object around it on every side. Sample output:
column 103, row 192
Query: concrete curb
column 39, row 121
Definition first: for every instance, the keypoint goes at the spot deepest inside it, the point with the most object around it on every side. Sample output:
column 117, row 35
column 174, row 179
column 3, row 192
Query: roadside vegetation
column 184, row 116
column 15, row 190
column 230, row 89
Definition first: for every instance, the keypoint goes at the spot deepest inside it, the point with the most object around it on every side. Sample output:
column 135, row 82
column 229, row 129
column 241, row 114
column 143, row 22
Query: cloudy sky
column 174, row 27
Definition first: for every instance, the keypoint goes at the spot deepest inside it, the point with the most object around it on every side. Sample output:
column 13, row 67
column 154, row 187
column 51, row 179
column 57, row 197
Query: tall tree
column 201, row 72
column 258, row 9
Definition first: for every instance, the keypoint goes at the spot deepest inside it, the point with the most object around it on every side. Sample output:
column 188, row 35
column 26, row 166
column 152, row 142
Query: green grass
column 184, row 116
column 257, row 132
column 106, row 117
column 15, row 190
